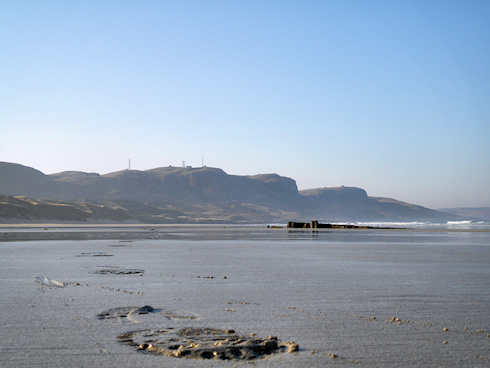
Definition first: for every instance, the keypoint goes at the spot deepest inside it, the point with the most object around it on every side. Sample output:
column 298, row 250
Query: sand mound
column 204, row 343
column 130, row 313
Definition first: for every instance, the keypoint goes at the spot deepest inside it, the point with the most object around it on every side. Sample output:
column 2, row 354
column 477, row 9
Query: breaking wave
column 465, row 224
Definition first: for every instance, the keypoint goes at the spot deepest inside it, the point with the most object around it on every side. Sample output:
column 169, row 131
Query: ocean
column 72, row 296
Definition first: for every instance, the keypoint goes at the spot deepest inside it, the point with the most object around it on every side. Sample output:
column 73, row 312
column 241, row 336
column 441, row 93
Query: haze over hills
column 188, row 195
column 475, row 214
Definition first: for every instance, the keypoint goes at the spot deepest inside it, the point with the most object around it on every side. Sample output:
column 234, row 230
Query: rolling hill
column 188, row 195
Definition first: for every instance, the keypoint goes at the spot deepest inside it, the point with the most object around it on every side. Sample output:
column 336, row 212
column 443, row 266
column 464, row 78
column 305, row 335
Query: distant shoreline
column 130, row 232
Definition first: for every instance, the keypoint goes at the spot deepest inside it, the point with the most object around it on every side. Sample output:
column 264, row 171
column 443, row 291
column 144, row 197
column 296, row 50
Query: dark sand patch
column 95, row 254
column 121, row 245
column 114, row 270
column 205, row 343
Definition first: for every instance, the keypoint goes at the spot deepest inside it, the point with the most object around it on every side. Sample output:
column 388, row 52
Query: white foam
column 43, row 280
column 465, row 224
column 396, row 224
column 468, row 225
column 460, row 222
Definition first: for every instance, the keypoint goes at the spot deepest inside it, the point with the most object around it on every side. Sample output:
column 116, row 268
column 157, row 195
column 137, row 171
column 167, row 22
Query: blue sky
column 389, row 96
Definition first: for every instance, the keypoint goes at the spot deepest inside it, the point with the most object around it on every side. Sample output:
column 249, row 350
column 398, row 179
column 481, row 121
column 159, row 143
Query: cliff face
column 173, row 194
column 338, row 194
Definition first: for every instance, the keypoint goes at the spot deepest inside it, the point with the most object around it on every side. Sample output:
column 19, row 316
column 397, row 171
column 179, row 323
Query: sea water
column 417, row 297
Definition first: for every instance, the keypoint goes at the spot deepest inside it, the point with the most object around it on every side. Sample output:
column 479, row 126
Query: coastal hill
column 469, row 213
column 188, row 195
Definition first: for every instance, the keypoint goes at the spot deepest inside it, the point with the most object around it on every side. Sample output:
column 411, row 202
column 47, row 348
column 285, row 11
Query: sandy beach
column 220, row 296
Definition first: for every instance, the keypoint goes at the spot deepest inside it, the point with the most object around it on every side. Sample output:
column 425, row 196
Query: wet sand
column 209, row 296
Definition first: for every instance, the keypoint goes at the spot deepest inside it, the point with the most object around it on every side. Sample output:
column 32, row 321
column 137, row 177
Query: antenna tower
column 129, row 164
